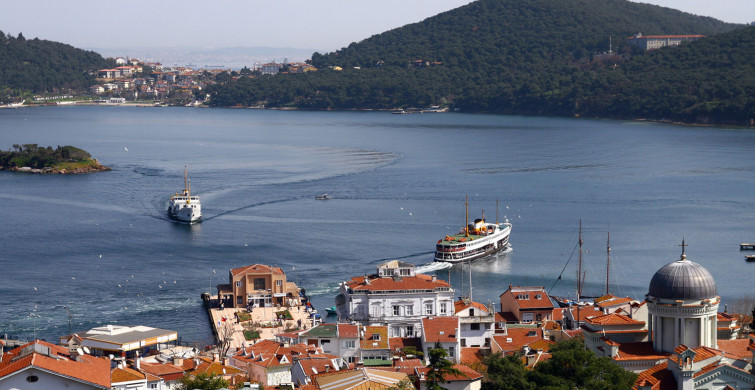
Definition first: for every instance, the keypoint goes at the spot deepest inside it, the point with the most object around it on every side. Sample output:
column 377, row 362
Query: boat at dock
column 184, row 206
column 478, row 239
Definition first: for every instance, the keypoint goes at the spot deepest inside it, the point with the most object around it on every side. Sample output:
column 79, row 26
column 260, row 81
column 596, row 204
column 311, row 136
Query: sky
column 320, row 25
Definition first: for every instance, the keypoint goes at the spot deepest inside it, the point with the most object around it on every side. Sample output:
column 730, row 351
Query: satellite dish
column 86, row 350
column 79, row 351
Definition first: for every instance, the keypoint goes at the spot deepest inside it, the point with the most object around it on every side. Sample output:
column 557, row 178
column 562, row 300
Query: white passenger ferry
column 184, row 206
column 476, row 240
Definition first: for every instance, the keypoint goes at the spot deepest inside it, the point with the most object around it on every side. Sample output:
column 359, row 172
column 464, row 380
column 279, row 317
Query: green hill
column 541, row 57
column 38, row 66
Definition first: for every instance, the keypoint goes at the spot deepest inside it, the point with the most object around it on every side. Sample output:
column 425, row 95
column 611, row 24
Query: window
column 375, row 336
column 428, row 308
column 396, row 332
column 409, row 310
column 278, row 282
column 259, row 283
column 471, row 312
column 527, row 317
column 350, row 344
column 238, row 283
column 451, row 352
column 463, row 343
column 239, row 299
column 396, row 310
column 405, row 272
column 443, row 309
column 474, row 326
column 409, row 331
column 153, row 385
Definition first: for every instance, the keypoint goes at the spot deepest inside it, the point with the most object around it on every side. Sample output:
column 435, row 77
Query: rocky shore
column 95, row 166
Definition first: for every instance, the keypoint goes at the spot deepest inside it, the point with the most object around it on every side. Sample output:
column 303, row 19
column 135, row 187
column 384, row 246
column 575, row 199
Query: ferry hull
column 185, row 214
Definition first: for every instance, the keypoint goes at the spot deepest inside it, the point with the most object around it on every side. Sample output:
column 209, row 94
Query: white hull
column 185, row 214
column 454, row 251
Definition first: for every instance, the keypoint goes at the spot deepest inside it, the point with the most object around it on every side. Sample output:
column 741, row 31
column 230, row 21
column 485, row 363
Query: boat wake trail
column 432, row 267
column 399, row 258
column 251, row 206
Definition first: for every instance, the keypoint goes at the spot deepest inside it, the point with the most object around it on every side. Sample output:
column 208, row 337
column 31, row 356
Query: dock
column 746, row 247
column 260, row 319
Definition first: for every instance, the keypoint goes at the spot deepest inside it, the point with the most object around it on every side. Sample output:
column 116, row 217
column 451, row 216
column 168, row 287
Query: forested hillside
column 544, row 57
column 37, row 65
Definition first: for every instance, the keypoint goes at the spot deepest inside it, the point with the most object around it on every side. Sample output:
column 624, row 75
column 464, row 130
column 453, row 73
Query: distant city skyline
column 319, row 26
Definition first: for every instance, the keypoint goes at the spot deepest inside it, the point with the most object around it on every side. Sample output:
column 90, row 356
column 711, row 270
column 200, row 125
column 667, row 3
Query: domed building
column 682, row 306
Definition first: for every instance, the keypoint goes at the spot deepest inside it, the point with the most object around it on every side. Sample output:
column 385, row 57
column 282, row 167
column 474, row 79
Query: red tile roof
column 208, row 366
column 613, row 319
column 613, row 302
column 374, row 283
column 505, row 316
column 659, row 377
column 257, row 269
column 638, row 351
column 125, row 374
column 462, row 304
column 269, row 353
column 397, row 343
column 465, row 373
column 701, row 353
column 532, row 301
column 471, row 355
column 519, row 337
column 585, row 312
column 440, row 329
column 168, row 372
column 737, row 347
column 348, row 330
column 95, row 371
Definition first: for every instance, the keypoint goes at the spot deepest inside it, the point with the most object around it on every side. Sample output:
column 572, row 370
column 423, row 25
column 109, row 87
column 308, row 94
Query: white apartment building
column 395, row 296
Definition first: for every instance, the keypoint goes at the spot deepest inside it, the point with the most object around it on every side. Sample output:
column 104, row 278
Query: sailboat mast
column 579, row 269
column 608, row 260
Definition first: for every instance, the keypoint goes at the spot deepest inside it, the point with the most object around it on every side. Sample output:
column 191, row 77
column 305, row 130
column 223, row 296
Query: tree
column 226, row 330
column 506, row 373
column 440, row 367
column 203, row 382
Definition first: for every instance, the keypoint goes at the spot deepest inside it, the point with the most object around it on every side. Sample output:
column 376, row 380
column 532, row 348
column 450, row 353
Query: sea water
column 100, row 246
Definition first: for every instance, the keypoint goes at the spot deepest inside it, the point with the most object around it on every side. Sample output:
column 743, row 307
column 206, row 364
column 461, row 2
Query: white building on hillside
column 395, row 296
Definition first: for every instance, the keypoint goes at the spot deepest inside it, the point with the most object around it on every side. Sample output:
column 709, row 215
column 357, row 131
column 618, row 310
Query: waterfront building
column 41, row 365
column 527, row 304
column 443, row 331
column 258, row 286
column 121, row 340
column 477, row 323
column 396, row 296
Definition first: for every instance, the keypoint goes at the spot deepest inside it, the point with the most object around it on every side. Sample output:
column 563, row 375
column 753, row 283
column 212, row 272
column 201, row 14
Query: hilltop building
column 650, row 42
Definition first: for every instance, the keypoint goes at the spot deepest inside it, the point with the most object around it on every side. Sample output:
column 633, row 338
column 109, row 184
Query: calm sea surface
column 101, row 245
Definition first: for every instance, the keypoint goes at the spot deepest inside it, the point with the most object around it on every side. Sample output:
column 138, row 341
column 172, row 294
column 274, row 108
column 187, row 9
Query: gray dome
column 683, row 280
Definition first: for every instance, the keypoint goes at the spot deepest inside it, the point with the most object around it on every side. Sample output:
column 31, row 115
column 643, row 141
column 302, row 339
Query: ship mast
column 466, row 216
column 608, row 259
column 496, row 211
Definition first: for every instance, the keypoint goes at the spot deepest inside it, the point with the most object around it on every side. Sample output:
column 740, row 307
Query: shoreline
column 161, row 105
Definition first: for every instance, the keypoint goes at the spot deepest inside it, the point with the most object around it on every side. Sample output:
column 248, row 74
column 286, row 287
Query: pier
column 266, row 322
column 746, row 247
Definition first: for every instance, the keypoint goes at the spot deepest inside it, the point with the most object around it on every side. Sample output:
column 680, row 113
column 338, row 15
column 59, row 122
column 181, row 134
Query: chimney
column 435, row 278
column 178, row 361
column 215, row 357
column 138, row 363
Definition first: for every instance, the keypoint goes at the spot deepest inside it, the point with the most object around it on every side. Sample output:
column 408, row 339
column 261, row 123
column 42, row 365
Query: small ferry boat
column 478, row 239
column 184, row 206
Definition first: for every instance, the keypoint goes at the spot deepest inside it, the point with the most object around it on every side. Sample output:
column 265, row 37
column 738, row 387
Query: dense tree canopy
column 571, row 366
column 38, row 65
column 35, row 156
column 543, row 57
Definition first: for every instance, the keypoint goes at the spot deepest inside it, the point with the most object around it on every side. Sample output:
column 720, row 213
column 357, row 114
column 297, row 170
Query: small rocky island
column 62, row 160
